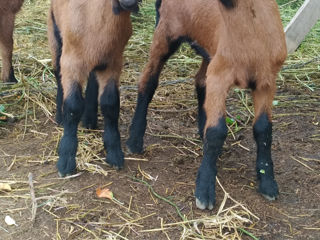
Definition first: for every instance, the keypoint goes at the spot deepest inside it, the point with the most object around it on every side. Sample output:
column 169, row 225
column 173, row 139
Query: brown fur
column 242, row 44
column 245, row 43
column 8, row 10
column 91, row 36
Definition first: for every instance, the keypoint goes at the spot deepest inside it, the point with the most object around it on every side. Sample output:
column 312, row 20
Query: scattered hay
column 31, row 102
column 227, row 223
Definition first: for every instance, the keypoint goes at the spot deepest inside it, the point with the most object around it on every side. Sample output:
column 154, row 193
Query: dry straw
column 31, row 103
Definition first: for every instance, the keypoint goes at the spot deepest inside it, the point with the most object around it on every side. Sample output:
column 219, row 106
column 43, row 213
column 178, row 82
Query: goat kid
column 8, row 11
column 87, row 40
column 242, row 44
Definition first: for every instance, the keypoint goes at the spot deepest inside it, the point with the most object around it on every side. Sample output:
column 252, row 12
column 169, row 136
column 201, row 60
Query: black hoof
column 269, row 188
column 205, row 189
column 115, row 159
column 59, row 120
column 62, row 175
column 134, row 146
column 11, row 79
column 201, row 134
column 67, row 156
column 66, row 169
column 89, row 122
column 203, row 205
column 89, row 125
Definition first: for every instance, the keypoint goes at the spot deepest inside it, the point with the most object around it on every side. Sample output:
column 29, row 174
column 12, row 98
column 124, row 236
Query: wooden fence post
column 301, row 24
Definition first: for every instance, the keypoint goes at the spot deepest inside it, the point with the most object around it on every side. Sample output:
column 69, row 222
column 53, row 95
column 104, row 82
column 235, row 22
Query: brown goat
column 8, row 11
column 87, row 40
column 242, row 44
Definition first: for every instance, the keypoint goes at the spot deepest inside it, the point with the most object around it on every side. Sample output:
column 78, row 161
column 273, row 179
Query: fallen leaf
column 5, row 187
column 104, row 193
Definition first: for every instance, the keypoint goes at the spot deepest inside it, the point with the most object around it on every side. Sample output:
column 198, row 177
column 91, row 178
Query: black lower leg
column 59, row 99
column 89, row 118
column 139, row 121
column 262, row 131
column 72, row 110
column 110, row 107
column 201, row 93
column 206, row 179
column 12, row 78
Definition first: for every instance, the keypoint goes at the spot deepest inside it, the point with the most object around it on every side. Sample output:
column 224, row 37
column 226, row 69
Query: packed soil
column 172, row 157
column 153, row 188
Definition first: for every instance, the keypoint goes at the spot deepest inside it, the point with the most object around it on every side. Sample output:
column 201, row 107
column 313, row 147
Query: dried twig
column 33, row 198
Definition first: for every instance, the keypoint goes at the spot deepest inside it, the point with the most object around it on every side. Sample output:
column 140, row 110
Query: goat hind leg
column 215, row 133
column 73, row 107
column 90, row 115
column 6, row 47
column 55, row 45
column 201, row 92
column 110, row 106
column 161, row 50
column 262, row 130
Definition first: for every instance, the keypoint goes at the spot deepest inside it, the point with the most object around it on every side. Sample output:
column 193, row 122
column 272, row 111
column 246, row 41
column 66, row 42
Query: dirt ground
column 173, row 154
column 70, row 209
